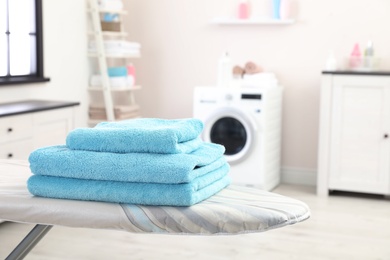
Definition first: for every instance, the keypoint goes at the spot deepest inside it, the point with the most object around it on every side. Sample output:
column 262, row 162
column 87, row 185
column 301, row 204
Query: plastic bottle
column 131, row 71
column 276, row 9
column 369, row 55
column 331, row 62
column 285, row 9
column 243, row 9
column 225, row 74
column 355, row 60
column 369, row 51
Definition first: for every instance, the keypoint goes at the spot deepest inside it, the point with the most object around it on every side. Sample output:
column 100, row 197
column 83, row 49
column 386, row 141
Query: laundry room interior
column 299, row 99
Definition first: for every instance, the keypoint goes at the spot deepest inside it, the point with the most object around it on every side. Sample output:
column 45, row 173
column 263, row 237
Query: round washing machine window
column 229, row 132
column 233, row 129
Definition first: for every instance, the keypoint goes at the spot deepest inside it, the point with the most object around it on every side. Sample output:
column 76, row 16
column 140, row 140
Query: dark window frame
column 39, row 75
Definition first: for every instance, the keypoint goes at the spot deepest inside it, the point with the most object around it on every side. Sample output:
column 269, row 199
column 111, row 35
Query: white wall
column 65, row 61
column 180, row 50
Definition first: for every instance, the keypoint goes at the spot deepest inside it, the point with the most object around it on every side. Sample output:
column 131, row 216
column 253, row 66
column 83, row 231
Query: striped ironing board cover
column 234, row 210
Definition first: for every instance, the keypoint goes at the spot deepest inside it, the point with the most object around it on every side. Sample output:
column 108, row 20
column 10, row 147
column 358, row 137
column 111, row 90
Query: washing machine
column 247, row 121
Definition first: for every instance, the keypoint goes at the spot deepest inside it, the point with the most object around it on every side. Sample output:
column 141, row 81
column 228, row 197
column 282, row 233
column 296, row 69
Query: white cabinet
column 19, row 149
column 52, row 127
column 16, row 136
column 354, row 148
column 20, row 134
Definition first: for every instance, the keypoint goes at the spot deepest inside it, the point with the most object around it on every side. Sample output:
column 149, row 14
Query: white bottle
column 331, row 62
column 285, row 9
column 369, row 56
column 225, row 73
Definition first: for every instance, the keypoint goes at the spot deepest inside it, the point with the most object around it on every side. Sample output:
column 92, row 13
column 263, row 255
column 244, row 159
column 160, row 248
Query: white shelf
column 93, row 122
column 112, row 11
column 113, row 34
column 116, row 89
column 251, row 21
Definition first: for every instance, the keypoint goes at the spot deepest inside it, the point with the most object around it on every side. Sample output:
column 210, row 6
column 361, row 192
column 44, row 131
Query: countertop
column 29, row 106
column 355, row 72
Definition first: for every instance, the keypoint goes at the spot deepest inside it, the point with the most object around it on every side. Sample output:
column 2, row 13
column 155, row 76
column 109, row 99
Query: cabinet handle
column 10, row 155
column 386, row 136
column 9, row 130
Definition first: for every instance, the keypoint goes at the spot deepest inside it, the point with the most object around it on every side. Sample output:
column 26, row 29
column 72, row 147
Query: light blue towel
column 132, row 167
column 128, row 192
column 147, row 135
column 117, row 71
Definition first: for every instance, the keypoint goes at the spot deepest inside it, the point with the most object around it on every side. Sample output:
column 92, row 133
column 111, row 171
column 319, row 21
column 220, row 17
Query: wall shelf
column 251, row 21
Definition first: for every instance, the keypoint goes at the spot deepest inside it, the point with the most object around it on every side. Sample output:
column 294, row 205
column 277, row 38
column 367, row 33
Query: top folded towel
column 146, row 135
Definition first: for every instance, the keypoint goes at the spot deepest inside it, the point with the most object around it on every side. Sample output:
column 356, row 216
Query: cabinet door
column 19, row 150
column 359, row 147
column 13, row 128
column 51, row 127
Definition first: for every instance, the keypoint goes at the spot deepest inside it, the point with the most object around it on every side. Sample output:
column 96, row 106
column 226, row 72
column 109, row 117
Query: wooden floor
column 341, row 227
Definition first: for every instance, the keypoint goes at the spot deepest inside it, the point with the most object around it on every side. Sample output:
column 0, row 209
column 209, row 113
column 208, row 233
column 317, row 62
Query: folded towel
column 117, row 109
column 120, row 112
column 264, row 79
column 115, row 82
column 117, row 71
column 118, row 116
column 111, row 4
column 147, row 135
column 116, row 44
column 131, row 167
column 128, row 192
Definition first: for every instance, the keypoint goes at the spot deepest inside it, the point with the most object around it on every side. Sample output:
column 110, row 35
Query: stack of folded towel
column 120, row 112
column 140, row 161
column 111, row 4
column 118, row 47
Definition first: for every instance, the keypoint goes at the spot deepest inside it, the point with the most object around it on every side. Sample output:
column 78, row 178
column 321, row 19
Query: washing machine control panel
column 251, row 96
column 249, row 100
column 231, row 96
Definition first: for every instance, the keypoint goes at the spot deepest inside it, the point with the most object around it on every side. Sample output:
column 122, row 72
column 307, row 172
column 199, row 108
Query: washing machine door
column 233, row 129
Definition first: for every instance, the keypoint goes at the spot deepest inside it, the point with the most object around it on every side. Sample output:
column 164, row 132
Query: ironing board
column 234, row 210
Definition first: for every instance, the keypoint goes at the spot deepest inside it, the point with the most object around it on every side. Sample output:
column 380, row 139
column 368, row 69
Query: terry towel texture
column 144, row 161
column 185, row 194
column 61, row 161
column 145, row 135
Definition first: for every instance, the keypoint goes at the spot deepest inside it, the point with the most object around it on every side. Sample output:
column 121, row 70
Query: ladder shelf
column 101, row 55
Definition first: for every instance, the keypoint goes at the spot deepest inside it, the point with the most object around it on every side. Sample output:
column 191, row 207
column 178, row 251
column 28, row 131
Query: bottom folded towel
column 185, row 194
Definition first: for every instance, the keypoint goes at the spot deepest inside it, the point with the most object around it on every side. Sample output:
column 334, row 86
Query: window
column 21, row 48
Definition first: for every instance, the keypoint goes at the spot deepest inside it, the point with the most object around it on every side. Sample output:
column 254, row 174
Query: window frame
column 39, row 75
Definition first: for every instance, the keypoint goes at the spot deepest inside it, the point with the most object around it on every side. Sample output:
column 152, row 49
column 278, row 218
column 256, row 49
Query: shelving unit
column 101, row 58
column 251, row 21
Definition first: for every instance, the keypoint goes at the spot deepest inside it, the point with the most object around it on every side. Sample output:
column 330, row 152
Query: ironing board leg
column 28, row 243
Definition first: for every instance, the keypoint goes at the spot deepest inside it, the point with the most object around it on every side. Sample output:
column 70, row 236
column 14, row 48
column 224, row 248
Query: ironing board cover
column 234, row 210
